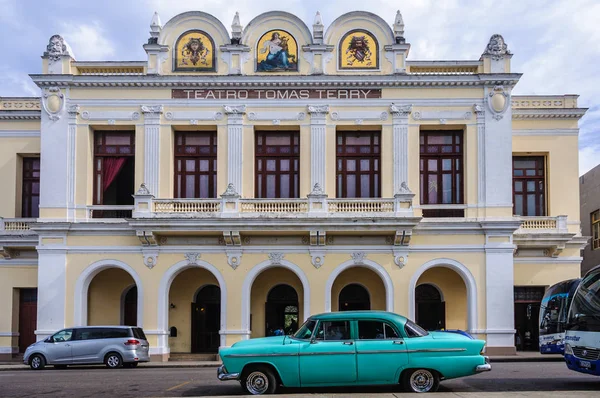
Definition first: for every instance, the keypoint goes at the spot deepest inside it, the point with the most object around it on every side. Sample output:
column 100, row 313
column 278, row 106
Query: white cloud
column 589, row 157
column 16, row 84
column 89, row 42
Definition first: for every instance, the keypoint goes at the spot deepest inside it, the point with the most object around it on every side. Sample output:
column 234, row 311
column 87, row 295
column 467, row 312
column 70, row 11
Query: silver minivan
column 114, row 346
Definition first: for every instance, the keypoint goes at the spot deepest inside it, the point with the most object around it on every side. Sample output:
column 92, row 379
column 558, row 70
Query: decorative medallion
column 53, row 102
column 498, row 100
column 358, row 50
column 150, row 258
column 277, row 51
column 192, row 258
column 276, row 257
column 195, row 52
column 358, row 257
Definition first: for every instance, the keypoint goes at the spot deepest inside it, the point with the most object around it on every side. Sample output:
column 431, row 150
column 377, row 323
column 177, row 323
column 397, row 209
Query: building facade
column 232, row 184
column 589, row 192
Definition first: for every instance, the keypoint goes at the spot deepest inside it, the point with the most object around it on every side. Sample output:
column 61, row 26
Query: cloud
column 589, row 157
column 16, row 84
column 89, row 42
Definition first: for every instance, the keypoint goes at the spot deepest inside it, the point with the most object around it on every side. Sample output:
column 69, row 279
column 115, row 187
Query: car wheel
column 37, row 362
column 60, row 366
column 130, row 365
column 421, row 380
column 113, row 360
column 259, row 381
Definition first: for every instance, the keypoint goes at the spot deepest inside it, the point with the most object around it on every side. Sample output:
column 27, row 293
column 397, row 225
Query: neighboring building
column 231, row 185
column 589, row 194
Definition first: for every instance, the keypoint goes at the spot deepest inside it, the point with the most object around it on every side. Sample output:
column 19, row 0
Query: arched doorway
column 354, row 297
column 206, row 319
column 130, row 302
column 431, row 309
column 281, row 310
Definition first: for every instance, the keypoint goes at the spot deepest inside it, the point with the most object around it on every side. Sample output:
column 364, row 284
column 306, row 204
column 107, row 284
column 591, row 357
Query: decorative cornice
column 505, row 79
column 556, row 113
column 20, row 115
column 400, row 110
column 234, row 109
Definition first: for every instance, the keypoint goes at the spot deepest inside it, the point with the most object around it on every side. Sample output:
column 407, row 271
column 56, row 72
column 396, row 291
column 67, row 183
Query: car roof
column 390, row 316
column 103, row 326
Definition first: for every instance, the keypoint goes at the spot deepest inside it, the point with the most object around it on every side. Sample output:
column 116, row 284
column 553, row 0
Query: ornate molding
column 479, row 110
column 400, row 110
column 56, row 48
column 234, row 258
column 317, row 259
column 359, row 116
column 277, row 117
column 358, row 257
column 234, row 109
column 193, row 116
column 404, row 189
column 150, row 258
column 143, row 190
column 73, row 111
column 442, row 116
column 498, row 101
column 53, row 103
column 318, row 110
column 496, row 48
column 192, row 258
column 400, row 259
column 276, row 258
column 230, row 191
column 317, row 190
column 110, row 116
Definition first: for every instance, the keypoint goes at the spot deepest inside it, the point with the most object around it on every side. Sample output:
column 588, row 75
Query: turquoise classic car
column 353, row 348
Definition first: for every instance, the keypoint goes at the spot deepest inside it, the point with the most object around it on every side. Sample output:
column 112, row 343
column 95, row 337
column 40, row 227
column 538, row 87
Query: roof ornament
column 236, row 29
column 497, row 47
column 318, row 29
column 57, row 47
column 399, row 28
column 155, row 28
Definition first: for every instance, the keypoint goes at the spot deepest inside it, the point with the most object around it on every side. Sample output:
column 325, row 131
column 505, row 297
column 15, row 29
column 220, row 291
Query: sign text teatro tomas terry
column 274, row 94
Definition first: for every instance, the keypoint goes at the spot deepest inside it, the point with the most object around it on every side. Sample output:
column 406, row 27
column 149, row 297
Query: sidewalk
column 520, row 357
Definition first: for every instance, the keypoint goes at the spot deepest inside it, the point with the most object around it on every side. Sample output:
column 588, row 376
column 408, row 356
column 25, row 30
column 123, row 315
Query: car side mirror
column 49, row 340
column 313, row 341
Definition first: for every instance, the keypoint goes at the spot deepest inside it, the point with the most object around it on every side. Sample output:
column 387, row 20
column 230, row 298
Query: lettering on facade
column 275, row 94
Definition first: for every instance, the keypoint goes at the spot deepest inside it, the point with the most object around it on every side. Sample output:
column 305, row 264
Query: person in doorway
column 279, row 331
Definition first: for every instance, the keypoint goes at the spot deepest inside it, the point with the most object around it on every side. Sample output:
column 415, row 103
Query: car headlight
column 568, row 349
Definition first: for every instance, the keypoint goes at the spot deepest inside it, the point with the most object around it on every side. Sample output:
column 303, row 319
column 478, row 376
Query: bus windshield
column 584, row 314
column 553, row 316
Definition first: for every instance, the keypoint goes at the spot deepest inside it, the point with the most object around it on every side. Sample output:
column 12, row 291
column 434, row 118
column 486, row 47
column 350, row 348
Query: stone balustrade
column 19, row 226
column 543, row 224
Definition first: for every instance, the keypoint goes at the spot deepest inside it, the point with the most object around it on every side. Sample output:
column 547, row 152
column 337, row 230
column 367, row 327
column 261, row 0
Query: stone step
column 181, row 356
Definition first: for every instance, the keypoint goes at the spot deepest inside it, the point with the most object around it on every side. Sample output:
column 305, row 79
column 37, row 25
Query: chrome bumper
column 224, row 376
column 485, row 367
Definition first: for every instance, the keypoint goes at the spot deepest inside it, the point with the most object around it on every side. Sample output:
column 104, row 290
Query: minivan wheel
column 421, row 380
column 113, row 360
column 37, row 362
column 259, row 381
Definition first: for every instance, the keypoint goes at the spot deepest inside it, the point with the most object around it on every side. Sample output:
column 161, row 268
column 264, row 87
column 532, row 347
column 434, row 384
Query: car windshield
column 306, row 330
column 414, row 330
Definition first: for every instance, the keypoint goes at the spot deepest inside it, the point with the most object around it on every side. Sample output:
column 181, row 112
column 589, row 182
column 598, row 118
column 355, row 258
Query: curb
column 15, row 367
column 508, row 359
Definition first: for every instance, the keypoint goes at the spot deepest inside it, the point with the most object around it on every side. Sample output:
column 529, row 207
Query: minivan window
column 63, row 335
column 138, row 333
column 101, row 333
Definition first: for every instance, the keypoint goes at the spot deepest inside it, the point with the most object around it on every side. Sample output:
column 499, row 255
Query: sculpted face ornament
column 496, row 47
column 55, row 48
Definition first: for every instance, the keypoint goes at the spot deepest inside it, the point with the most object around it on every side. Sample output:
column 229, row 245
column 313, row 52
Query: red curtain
column 110, row 169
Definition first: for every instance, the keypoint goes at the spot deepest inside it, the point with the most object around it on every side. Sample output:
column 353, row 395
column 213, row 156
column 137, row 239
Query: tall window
column 358, row 165
column 277, row 165
column 596, row 230
column 30, row 197
column 195, row 165
column 441, row 169
column 529, row 186
column 114, row 162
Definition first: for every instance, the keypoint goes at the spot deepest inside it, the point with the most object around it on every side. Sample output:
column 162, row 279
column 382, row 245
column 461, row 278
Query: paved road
column 181, row 382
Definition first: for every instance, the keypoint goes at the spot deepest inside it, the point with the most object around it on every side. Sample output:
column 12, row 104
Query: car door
column 380, row 352
column 58, row 349
column 330, row 357
column 85, row 346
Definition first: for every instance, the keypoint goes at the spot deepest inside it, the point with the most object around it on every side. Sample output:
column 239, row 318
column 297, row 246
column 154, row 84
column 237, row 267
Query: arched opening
column 348, row 294
column 276, row 302
column 431, row 309
column 130, row 302
column 281, row 311
column 106, row 301
column 194, row 310
column 354, row 297
column 206, row 319
column 441, row 300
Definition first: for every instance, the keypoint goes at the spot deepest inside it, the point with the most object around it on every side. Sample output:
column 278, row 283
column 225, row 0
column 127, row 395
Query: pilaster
column 235, row 128
column 73, row 111
column 318, row 144
column 480, row 114
column 152, row 145
column 52, row 278
column 400, row 144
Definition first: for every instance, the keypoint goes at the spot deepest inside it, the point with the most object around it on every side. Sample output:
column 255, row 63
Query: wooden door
column 27, row 317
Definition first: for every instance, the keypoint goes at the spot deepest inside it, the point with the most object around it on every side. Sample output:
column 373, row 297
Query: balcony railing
column 543, row 225
column 115, row 211
column 16, row 226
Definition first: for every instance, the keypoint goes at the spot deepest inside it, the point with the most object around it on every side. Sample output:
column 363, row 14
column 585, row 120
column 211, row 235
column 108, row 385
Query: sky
column 556, row 44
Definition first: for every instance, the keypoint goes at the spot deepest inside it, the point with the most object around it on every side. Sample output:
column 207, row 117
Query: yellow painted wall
column 12, row 151
column 260, row 289
column 544, row 274
column 182, row 294
column 454, row 293
column 104, row 296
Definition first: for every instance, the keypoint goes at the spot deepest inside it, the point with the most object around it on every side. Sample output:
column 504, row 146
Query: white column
column 151, row 146
column 52, row 270
column 235, row 130
column 480, row 114
column 400, row 130
column 71, row 160
column 318, row 122
column 499, row 280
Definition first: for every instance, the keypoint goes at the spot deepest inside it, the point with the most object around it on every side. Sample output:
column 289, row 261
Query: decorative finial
column 399, row 28
column 143, row 190
column 318, row 29
column 317, row 190
column 236, row 29
column 57, row 47
column 155, row 28
column 497, row 47
column 230, row 191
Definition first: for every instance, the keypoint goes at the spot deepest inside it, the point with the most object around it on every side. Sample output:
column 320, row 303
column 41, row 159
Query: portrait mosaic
column 195, row 52
column 277, row 51
column 358, row 49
